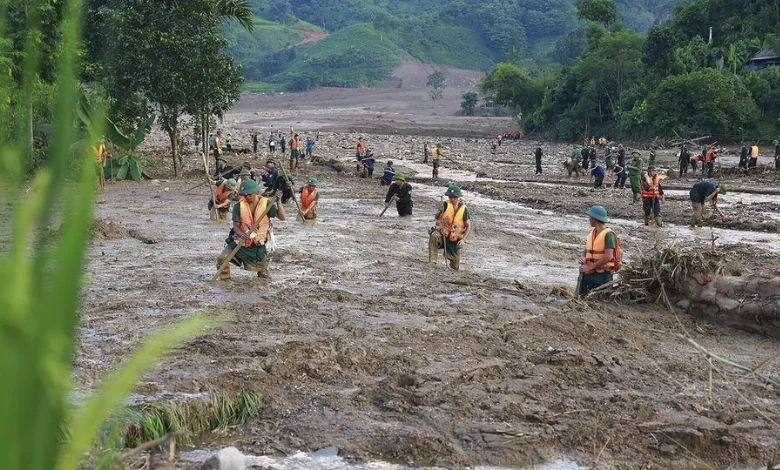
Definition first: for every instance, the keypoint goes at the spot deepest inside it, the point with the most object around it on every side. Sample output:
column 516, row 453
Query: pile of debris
column 704, row 280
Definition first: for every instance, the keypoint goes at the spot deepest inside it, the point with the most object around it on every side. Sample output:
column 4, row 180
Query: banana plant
column 126, row 165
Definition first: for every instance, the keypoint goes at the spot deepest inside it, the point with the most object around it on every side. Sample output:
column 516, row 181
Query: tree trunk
column 30, row 136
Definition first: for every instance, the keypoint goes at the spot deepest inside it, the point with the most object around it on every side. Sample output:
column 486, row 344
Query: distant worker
column 709, row 161
column 538, row 160
column 252, row 230
column 620, row 179
column 295, row 152
column 360, row 149
column 701, row 193
column 218, row 145
column 309, row 147
column 426, row 152
column 684, row 159
column 436, row 160
column 635, row 169
column 255, row 142
column 272, row 143
column 777, row 155
column 452, row 228
column 743, row 156
column 753, row 155
column 598, row 176
column 652, row 159
column 387, row 174
column 493, row 144
column 573, row 165
column 592, row 141
column 224, row 194
column 309, row 199
column 652, row 195
column 602, row 253
column 402, row 191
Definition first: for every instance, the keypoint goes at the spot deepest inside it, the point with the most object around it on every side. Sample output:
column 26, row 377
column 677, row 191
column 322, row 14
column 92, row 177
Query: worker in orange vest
column 309, row 198
column 753, row 155
column 652, row 195
column 252, row 230
column 224, row 194
column 709, row 160
column 452, row 228
column 601, row 257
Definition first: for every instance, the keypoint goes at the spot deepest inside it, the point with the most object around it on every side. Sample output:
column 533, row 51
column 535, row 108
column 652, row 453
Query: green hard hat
column 230, row 183
column 249, row 187
column 453, row 191
column 312, row 181
column 598, row 213
column 245, row 172
column 399, row 177
column 722, row 188
column 651, row 168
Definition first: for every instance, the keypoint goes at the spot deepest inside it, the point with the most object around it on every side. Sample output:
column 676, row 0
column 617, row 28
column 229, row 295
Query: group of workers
column 251, row 237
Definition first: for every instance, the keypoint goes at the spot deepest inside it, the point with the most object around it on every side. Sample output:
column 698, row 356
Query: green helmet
column 229, row 183
column 245, row 172
column 598, row 213
column 651, row 168
column 399, row 177
column 722, row 188
column 249, row 187
column 312, row 181
column 453, row 191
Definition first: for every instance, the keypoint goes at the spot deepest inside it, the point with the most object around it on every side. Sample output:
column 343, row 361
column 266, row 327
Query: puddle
column 327, row 459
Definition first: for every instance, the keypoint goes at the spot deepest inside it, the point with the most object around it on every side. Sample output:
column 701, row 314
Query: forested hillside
column 369, row 37
column 673, row 80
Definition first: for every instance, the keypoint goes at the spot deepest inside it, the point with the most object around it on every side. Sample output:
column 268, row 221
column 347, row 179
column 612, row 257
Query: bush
column 704, row 102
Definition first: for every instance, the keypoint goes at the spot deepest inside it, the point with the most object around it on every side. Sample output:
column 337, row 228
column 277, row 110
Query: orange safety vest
column 710, row 157
column 595, row 250
column 451, row 223
column 754, row 151
column 248, row 220
column 652, row 182
column 222, row 193
column 308, row 196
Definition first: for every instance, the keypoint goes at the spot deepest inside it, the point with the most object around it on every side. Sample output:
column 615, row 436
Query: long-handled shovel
column 292, row 189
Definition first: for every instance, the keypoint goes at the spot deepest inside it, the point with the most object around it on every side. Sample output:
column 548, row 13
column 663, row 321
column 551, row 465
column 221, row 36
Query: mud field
column 357, row 342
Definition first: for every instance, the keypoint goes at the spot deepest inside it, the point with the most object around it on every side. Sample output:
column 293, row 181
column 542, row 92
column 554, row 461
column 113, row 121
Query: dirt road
column 357, row 342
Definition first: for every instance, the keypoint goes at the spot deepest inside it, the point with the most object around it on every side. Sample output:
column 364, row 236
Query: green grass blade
column 87, row 422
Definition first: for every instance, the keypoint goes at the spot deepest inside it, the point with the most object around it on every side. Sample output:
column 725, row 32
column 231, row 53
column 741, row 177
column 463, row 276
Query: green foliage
column 598, row 11
column 352, row 57
column 436, row 83
column 509, row 85
column 469, row 103
column 41, row 277
column 702, row 102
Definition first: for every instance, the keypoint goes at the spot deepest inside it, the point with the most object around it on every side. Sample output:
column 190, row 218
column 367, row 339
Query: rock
column 326, row 452
column 228, row 458
column 683, row 304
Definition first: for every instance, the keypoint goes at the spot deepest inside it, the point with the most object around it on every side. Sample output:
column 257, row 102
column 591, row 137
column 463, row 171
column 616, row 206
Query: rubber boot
column 455, row 262
column 433, row 248
column 658, row 221
column 224, row 273
column 636, row 198
column 647, row 220
column 263, row 273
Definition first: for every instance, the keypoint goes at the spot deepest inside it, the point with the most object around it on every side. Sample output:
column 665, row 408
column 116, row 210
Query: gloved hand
column 253, row 235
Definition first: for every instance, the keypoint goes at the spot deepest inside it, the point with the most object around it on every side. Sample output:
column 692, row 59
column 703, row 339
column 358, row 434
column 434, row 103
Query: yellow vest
column 754, row 151
column 451, row 223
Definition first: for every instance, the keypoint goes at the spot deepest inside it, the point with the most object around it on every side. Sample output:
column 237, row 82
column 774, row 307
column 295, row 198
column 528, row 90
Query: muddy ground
column 357, row 342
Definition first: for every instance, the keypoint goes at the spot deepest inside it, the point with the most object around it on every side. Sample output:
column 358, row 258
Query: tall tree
column 166, row 53
column 599, row 11
column 436, row 83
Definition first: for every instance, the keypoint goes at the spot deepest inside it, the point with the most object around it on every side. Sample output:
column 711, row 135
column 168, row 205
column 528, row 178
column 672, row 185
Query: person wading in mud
column 538, row 160
column 652, row 195
column 600, row 257
column 701, row 193
column 309, row 199
column 685, row 160
column 360, row 149
column 224, row 194
column 218, row 146
column 426, row 153
column 251, row 235
column 635, row 175
column 452, row 227
column 403, row 191
column 387, row 174
column 436, row 160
